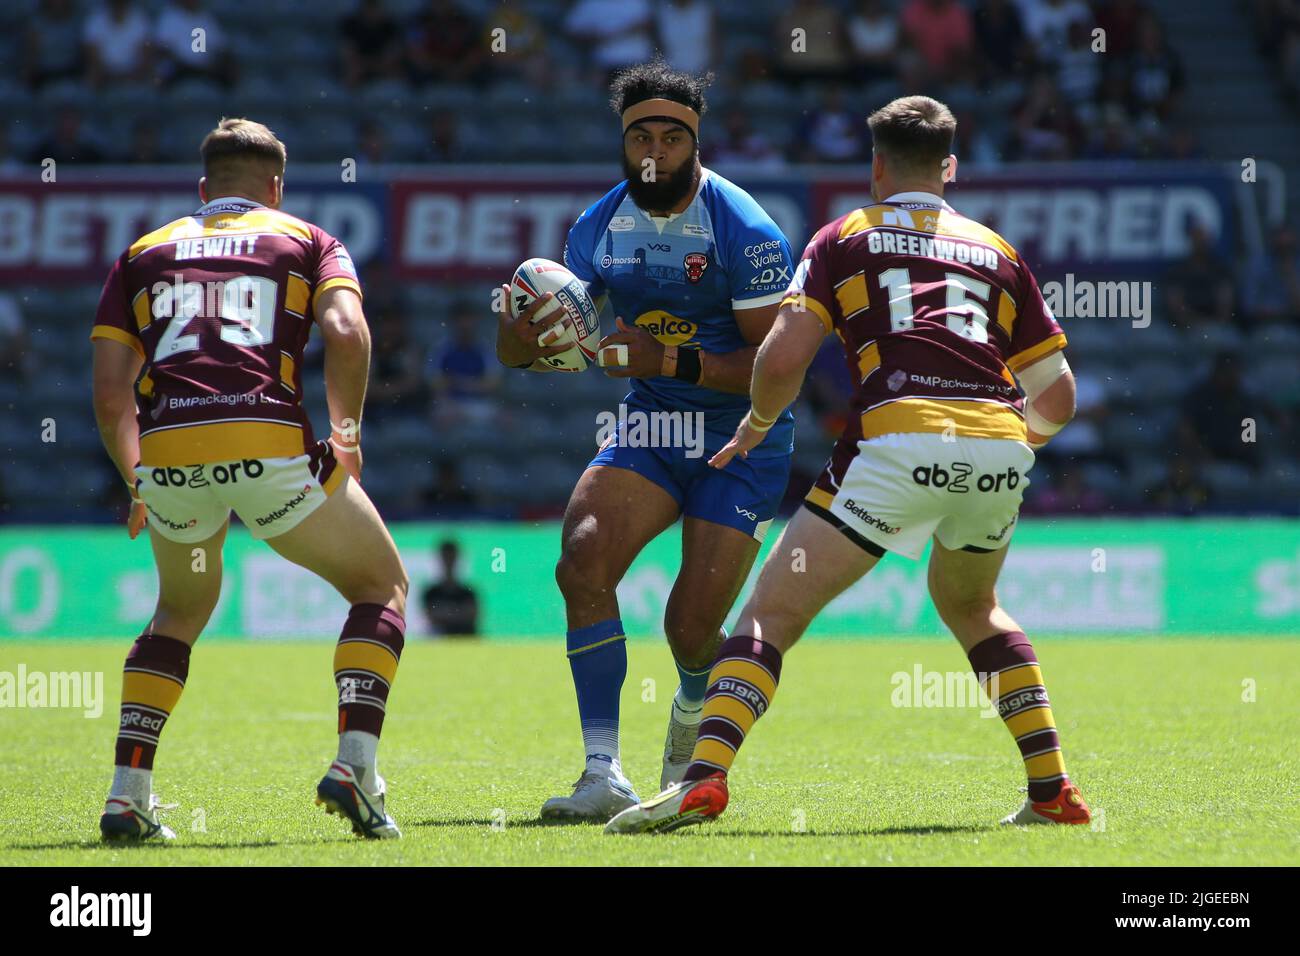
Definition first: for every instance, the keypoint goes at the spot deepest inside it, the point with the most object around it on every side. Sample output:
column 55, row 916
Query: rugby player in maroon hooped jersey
column 939, row 317
column 198, row 345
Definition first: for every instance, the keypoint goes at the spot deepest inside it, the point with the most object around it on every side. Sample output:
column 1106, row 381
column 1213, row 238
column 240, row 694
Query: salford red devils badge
column 695, row 263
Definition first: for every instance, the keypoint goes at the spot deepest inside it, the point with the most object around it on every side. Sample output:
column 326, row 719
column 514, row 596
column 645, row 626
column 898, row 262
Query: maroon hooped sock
column 365, row 663
column 153, row 677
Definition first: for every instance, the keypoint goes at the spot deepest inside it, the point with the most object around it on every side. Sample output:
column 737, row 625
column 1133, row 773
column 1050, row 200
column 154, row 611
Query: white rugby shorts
column 897, row 490
column 190, row 503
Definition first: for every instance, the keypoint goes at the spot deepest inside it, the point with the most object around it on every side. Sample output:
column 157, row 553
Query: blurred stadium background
column 442, row 162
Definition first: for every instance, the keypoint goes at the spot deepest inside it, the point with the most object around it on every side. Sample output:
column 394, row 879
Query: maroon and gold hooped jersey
column 219, row 305
column 935, row 312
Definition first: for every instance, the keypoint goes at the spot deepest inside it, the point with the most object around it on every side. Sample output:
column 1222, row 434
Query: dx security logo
column 955, row 478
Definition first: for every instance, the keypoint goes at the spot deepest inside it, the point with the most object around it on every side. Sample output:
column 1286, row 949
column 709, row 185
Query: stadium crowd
column 1160, row 420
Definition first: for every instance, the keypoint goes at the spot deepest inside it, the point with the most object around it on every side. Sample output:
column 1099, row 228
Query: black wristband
column 688, row 365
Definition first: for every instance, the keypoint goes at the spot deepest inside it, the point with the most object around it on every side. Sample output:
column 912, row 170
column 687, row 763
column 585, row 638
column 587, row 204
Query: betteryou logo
column 74, row 908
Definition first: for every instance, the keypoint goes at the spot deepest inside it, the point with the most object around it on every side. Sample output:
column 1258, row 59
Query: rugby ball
column 534, row 279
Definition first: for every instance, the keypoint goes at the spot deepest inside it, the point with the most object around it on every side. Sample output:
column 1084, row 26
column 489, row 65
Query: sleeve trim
column 758, row 302
column 813, row 306
column 340, row 281
column 1035, row 352
column 114, row 334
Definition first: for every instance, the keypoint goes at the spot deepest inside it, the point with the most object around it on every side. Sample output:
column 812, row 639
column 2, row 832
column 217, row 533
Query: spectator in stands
column 372, row 142
column 450, row 605
column 51, row 47
column 831, row 133
column 176, row 44
column 1045, row 127
column 10, row 161
column 686, row 31
column 524, row 56
column 370, row 45
column 465, row 376
column 1079, row 69
column 397, row 385
column 1278, row 25
column 1199, row 288
column 67, row 143
column 1112, row 138
column 1157, row 71
column 445, row 143
column 1217, row 415
column 1271, row 290
column 738, row 142
column 116, row 38
column 1120, row 20
column 1047, row 24
column 15, row 359
column 873, row 39
column 810, row 43
column 449, row 494
column 942, row 33
column 145, row 148
column 1182, row 144
column 612, row 33
column 447, row 46
column 1003, row 50
column 1182, row 491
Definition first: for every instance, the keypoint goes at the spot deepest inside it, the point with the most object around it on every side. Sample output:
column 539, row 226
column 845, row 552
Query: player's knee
column 189, row 616
column 962, row 608
column 580, row 573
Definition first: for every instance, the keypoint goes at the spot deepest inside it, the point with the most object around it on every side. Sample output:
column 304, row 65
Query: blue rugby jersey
column 679, row 279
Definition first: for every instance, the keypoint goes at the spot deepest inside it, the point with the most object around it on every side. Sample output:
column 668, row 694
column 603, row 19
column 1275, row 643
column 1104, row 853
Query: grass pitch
column 1186, row 750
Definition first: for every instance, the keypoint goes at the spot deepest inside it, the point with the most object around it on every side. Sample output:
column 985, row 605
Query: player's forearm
column 776, row 382
column 120, row 433
column 347, row 369
column 728, row 371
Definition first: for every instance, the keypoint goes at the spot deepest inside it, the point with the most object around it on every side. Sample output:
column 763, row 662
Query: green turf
column 1155, row 731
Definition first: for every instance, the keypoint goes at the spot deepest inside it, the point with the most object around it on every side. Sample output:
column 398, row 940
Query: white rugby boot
column 598, row 795
column 682, row 804
column 126, row 819
column 341, row 792
column 678, row 747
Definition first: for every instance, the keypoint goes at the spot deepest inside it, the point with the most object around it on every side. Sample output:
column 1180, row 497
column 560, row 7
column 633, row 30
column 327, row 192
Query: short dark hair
column 239, row 146
column 657, row 80
column 916, row 132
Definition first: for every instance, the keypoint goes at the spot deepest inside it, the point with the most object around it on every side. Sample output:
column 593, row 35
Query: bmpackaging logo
column 853, row 508
column 954, row 478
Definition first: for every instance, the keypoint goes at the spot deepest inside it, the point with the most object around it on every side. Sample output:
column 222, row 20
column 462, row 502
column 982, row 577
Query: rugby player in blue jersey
column 694, row 271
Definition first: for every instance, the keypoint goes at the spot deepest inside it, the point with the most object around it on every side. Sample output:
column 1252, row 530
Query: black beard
column 665, row 192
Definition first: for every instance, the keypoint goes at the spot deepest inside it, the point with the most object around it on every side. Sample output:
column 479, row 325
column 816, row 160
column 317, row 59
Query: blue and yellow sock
column 598, row 660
